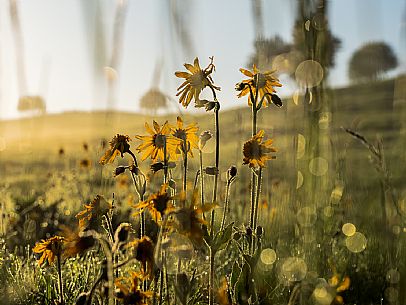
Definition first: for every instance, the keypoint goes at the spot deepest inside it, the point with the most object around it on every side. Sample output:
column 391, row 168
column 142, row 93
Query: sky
column 60, row 54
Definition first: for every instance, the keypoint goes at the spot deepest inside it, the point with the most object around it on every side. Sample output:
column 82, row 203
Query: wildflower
column 118, row 145
column 158, row 204
column 203, row 138
column 50, row 249
column 75, row 243
column 187, row 220
column 187, row 135
column 256, row 152
column 61, row 152
column 339, row 286
column 85, row 163
column 265, row 81
column 154, row 144
column 128, row 291
column 144, row 253
column 90, row 217
column 195, row 81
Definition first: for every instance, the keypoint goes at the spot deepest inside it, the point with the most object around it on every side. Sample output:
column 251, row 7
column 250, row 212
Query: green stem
column 217, row 128
column 165, row 163
column 201, row 182
column 211, row 277
column 58, row 257
column 258, row 192
column 225, row 205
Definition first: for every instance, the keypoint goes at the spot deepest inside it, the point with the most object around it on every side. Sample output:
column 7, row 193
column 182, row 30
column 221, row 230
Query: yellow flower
column 187, row 135
column 187, row 220
column 266, row 83
column 195, row 81
column 144, row 253
column 90, row 217
column 74, row 242
column 50, row 249
column 118, row 145
column 256, row 152
column 153, row 144
column 339, row 287
column 158, row 204
column 128, row 291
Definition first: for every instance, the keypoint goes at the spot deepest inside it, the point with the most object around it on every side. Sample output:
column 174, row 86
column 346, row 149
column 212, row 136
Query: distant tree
column 371, row 61
column 266, row 49
column 153, row 100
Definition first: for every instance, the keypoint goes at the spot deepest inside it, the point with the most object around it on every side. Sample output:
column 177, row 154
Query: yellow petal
column 246, row 72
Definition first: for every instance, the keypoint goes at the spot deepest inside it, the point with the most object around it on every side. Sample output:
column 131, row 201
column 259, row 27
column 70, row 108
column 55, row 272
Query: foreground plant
column 260, row 89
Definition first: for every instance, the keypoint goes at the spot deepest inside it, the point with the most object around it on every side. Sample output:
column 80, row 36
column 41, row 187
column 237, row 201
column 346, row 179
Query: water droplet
column 306, row 216
column 299, row 181
column 309, row 73
column 296, row 97
column 268, row 256
column 348, row 229
column 301, row 146
column 307, row 25
column 356, row 243
column 318, row 166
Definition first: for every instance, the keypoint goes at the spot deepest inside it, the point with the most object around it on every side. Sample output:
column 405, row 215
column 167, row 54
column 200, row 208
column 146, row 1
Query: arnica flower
column 144, row 253
column 91, row 216
column 266, row 83
column 153, row 144
column 128, row 291
column 203, row 138
column 339, row 287
column 158, row 204
column 118, row 146
column 187, row 219
column 195, row 81
column 187, row 135
column 256, row 152
column 75, row 243
column 50, row 249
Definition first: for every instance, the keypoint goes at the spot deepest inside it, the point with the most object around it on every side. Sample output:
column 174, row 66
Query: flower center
column 198, row 79
column 159, row 140
column 259, row 79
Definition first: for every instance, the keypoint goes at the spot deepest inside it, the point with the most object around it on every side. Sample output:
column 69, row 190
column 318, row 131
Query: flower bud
column 248, row 231
column 276, row 100
column 119, row 170
column 211, row 170
column 155, row 167
column 240, row 86
column 231, row 173
column 259, row 231
column 203, row 138
column 122, row 232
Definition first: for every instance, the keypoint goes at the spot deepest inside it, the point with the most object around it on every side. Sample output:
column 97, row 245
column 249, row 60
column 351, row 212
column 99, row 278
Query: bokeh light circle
column 309, row 73
column 348, row 229
column 306, row 216
column 393, row 276
column 268, row 256
column 293, row 269
column 356, row 243
column 318, row 166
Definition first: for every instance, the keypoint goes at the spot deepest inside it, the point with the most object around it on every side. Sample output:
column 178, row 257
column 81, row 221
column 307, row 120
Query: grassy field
column 304, row 256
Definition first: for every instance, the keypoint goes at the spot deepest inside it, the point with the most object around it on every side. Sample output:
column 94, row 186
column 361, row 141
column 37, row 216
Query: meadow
column 86, row 221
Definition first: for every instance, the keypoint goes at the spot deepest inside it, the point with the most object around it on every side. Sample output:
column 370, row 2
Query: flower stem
column 223, row 221
column 201, row 181
column 258, row 192
column 211, row 277
column 216, row 123
column 61, row 300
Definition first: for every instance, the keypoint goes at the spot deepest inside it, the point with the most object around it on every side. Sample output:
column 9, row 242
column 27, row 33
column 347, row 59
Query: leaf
column 222, row 238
